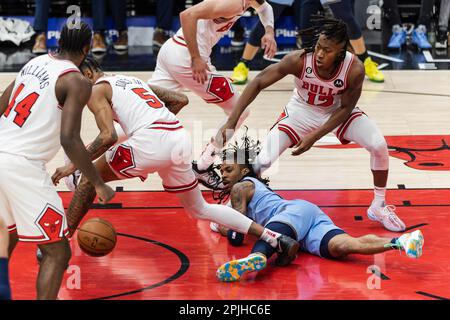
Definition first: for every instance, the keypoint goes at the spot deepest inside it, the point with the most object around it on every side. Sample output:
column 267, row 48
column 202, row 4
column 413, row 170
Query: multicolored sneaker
column 233, row 270
column 411, row 243
column 240, row 74
column 386, row 215
column 372, row 71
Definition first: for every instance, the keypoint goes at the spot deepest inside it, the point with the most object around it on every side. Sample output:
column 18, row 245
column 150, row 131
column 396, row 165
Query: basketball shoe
column 372, row 71
column 235, row 269
column 72, row 180
column 209, row 177
column 240, row 74
column 386, row 215
column 412, row 243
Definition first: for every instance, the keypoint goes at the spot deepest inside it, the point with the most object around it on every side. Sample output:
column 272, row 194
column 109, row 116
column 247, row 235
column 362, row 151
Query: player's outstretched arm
column 4, row 99
column 290, row 64
column 173, row 100
column 265, row 14
column 349, row 99
column 73, row 92
column 99, row 105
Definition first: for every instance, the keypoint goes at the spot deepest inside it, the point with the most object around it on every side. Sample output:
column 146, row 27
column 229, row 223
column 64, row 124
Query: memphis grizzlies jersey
column 322, row 95
column 31, row 124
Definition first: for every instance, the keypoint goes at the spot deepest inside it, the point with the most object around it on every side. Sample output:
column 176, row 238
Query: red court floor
column 162, row 253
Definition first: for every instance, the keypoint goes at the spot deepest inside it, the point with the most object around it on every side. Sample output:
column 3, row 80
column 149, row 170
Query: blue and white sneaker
column 233, row 270
column 419, row 37
column 398, row 37
column 72, row 180
column 411, row 243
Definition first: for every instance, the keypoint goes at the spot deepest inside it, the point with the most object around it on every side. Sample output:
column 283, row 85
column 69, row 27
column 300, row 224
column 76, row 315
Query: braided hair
column 73, row 40
column 332, row 29
column 91, row 64
column 244, row 154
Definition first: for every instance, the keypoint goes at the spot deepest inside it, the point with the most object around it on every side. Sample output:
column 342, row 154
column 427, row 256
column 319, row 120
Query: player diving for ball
column 156, row 142
column 298, row 219
column 184, row 61
column 328, row 84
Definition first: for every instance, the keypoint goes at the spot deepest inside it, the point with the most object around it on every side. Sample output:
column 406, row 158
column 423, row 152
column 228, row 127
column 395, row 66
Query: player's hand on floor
column 269, row 45
column 199, row 70
column 304, row 145
column 62, row 172
column 105, row 193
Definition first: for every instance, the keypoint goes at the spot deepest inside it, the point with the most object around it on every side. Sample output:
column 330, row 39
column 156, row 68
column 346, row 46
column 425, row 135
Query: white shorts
column 173, row 72
column 29, row 203
column 164, row 148
column 298, row 120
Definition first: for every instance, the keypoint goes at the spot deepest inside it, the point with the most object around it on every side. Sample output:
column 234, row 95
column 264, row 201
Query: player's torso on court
column 210, row 31
column 318, row 94
column 31, row 124
column 135, row 105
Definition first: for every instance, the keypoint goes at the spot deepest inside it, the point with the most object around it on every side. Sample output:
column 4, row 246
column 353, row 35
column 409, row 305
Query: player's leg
column 262, row 251
column 362, row 130
column 342, row 245
column 55, row 259
column 85, row 194
column 276, row 142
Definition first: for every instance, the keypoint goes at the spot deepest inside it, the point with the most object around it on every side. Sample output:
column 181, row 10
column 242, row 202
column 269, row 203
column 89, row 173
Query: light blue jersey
column 308, row 221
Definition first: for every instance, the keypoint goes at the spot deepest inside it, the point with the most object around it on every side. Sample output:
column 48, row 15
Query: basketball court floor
column 162, row 253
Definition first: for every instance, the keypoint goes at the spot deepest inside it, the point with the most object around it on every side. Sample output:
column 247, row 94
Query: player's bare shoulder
column 244, row 189
column 72, row 82
column 356, row 72
column 293, row 62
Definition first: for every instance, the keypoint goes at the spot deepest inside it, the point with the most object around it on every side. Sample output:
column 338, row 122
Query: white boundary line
column 429, row 57
column 383, row 56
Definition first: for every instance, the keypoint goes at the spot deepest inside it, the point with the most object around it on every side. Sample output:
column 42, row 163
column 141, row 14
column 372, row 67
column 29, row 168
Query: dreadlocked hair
column 244, row 154
column 91, row 64
column 333, row 29
column 73, row 40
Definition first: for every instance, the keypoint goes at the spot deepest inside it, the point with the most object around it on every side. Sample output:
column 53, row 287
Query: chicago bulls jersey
column 322, row 95
column 136, row 106
column 30, row 125
column 209, row 32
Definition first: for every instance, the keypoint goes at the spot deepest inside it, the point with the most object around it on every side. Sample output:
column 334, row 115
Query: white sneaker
column 386, row 215
column 412, row 243
column 72, row 180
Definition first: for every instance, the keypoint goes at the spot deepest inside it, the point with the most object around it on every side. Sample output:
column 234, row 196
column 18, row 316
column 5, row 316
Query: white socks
column 271, row 237
column 380, row 197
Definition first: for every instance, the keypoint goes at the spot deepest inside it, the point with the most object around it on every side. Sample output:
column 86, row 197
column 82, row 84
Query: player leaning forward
column 328, row 84
column 184, row 61
column 40, row 111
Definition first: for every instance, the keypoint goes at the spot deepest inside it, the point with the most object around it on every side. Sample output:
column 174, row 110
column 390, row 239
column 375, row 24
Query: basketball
column 97, row 237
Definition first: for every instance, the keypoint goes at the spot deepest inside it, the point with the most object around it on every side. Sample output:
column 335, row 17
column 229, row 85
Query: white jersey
column 31, row 124
column 322, row 95
column 136, row 106
column 209, row 32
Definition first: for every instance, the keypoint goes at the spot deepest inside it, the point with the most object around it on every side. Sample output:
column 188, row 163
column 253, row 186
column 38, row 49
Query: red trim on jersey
column 290, row 132
column 169, row 123
column 343, row 129
column 302, row 73
column 183, row 188
column 11, row 228
column 348, row 71
column 181, row 44
column 167, row 128
column 68, row 71
column 326, row 80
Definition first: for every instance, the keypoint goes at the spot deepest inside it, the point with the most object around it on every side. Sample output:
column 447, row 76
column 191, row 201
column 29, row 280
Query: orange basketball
column 97, row 237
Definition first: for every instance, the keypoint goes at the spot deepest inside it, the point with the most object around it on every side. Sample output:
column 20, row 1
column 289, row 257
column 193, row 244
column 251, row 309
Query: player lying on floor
column 298, row 219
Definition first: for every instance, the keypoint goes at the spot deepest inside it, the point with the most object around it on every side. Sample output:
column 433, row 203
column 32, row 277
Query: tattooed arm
column 241, row 195
column 173, row 100
column 100, row 105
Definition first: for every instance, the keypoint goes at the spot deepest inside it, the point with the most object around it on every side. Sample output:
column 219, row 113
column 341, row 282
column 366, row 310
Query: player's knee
column 59, row 252
column 379, row 148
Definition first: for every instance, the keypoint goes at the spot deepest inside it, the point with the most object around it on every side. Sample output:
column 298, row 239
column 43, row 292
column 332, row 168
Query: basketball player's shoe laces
column 209, row 177
column 72, row 180
column 233, row 270
column 412, row 243
column 386, row 215
column 287, row 249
